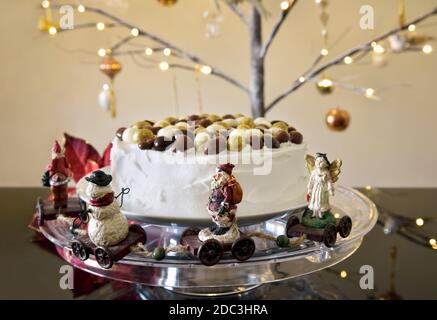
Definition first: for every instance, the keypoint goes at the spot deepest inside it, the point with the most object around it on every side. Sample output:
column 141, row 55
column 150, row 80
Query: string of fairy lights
column 324, row 84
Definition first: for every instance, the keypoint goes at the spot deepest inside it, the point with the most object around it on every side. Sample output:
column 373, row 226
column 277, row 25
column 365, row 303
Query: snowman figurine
column 107, row 225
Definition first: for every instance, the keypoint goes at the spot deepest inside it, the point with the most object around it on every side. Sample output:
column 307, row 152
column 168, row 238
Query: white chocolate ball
column 128, row 135
column 200, row 140
column 215, row 128
column 262, row 121
column 231, row 122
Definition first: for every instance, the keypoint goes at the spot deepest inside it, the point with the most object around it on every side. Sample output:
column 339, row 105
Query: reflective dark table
column 31, row 269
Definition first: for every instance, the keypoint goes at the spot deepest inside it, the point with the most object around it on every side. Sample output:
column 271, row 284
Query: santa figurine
column 107, row 225
column 57, row 177
column 225, row 195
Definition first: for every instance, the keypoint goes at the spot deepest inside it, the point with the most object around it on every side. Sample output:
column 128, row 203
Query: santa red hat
column 226, row 168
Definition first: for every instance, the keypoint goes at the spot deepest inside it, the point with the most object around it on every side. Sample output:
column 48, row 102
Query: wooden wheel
column 103, row 257
column 330, row 235
column 136, row 228
column 191, row 231
column 243, row 248
column 344, row 226
column 292, row 221
column 210, row 252
column 79, row 250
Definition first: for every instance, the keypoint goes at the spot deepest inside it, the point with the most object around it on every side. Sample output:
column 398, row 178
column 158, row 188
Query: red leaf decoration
column 81, row 156
column 106, row 157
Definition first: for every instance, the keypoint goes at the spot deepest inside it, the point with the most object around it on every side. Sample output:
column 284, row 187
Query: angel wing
column 311, row 162
column 335, row 170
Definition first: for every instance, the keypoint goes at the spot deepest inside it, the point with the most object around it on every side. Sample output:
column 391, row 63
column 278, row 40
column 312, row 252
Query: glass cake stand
column 185, row 274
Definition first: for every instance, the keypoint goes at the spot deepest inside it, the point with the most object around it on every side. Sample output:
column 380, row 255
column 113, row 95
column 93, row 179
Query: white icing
column 165, row 184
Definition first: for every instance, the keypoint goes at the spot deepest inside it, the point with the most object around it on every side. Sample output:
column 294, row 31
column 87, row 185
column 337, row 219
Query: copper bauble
column 337, row 119
column 110, row 66
column 167, row 3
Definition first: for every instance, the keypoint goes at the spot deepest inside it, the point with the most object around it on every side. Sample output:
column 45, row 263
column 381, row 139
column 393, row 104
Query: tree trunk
column 256, row 65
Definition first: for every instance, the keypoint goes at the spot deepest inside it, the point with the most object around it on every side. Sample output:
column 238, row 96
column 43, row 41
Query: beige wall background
column 47, row 88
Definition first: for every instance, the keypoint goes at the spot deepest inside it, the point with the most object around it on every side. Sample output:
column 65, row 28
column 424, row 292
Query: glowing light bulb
column 343, row 274
column 370, row 92
column 105, row 86
column 164, row 66
column 206, row 70
column 284, row 5
column 432, row 242
column 427, row 49
column 100, row 26
column 148, row 51
column 302, row 79
column 134, row 32
column 378, row 49
column 419, row 222
column 411, row 28
column 45, row 4
column 101, row 52
column 336, row 215
column 348, row 60
column 166, row 52
column 52, row 30
column 368, row 188
column 81, row 8
column 324, row 52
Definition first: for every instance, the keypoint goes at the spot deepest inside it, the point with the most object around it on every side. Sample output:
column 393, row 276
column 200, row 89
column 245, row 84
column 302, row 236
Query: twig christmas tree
column 259, row 49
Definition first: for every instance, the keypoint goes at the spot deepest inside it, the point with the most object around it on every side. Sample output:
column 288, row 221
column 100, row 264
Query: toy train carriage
column 324, row 230
column 46, row 210
column 82, row 247
column 211, row 251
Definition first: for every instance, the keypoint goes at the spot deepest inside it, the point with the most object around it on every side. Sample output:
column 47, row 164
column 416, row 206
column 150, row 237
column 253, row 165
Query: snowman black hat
column 99, row 178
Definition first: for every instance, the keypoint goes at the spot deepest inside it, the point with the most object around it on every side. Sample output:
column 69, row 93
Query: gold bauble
column 325, row 86
column 110, row 66
column 337, row 119
column 44, row 24
column 167, row 3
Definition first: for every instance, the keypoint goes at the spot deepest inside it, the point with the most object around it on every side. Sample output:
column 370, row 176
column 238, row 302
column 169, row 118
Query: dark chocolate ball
column 275, row 121
column 282, row 136
column 119, row 133
column 204, row 123
column 194, row 117
column 296, row 137
column 161, row 143
column 146, row 144
column 256, row 142
column 290, row 128
column 271, row 142
column 155, row 130
column 228, row 116
column 182, row 143
column 216, row 145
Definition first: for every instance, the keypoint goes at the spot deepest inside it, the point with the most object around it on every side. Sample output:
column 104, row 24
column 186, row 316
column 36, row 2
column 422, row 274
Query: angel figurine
column 321, row 185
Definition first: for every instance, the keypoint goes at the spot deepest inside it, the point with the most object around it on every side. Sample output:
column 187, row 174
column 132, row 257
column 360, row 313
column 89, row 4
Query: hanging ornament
column 167, row 3
column 325, row 85
column 337, row 119
column 106, row 99
column 213, row 22
column 110, row 66
column 44, row 24
column 415, row 39
column 397, row 42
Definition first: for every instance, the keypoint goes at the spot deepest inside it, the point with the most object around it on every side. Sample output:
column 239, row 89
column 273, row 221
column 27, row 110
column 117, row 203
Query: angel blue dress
column 319, row 186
